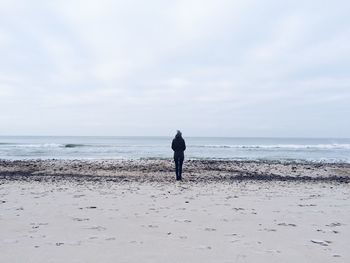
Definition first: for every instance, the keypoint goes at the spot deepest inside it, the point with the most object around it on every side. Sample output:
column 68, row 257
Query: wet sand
column 133, row 211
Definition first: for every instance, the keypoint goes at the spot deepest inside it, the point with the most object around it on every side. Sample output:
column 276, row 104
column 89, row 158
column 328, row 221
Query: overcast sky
column 209, row 68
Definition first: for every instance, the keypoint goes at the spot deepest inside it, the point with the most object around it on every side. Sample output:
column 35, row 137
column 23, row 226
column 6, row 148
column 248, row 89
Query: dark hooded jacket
column 179, row 146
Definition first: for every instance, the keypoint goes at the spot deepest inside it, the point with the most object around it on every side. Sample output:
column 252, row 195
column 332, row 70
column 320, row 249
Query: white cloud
column 229, row 68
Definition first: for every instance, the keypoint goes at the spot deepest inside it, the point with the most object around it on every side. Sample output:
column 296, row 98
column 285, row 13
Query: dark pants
column 178, row 167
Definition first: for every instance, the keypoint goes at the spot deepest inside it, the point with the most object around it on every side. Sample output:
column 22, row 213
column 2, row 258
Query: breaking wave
column 73, row 145
column 43, row 145
column 280, row 146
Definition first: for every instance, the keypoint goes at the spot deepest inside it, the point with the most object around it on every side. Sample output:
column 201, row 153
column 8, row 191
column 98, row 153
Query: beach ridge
column 162, row 170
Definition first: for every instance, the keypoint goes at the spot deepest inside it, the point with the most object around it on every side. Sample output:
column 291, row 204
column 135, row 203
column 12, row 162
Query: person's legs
column 181, row 160
column 176, row 160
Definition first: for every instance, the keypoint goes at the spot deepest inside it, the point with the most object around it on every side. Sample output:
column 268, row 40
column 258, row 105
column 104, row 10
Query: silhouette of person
column 179, row 146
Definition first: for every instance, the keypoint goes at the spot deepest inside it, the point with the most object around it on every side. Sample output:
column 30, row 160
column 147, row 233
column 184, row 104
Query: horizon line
column 189, row 136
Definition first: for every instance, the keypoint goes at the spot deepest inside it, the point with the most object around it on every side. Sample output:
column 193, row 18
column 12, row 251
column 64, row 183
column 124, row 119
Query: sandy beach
column 134, row 211
column 101, row 100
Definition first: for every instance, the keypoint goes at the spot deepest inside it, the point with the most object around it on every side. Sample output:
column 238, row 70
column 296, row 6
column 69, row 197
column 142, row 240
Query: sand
column 137, row 214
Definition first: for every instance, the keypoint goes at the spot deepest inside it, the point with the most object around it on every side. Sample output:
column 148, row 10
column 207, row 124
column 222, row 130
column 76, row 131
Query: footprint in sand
column 99, row 228
column 59, row 244
column 321, row 242
column 88, row 207
column 334, row 224
column 183, row 221
column 80, row 219
column 285, row 224
column 270, row 229
column 231, row 235
column 230, row 197
column 204, row 247
column 325, row 231
column 136, row 242
column 78, row 196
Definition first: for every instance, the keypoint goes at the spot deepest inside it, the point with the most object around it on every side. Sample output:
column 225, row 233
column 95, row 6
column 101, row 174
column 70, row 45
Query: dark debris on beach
column 161, row 170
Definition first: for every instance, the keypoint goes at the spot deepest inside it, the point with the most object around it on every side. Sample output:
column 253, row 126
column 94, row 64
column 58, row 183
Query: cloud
column 219, row 68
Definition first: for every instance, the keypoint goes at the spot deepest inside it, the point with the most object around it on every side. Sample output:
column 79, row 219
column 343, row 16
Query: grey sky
column 209, row 68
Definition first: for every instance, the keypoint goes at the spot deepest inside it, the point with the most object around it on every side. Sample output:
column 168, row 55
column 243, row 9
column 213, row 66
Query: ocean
column 90, row 147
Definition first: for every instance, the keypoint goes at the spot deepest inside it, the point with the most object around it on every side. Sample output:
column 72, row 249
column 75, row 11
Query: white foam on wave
column 39, row 145
column 280, row 146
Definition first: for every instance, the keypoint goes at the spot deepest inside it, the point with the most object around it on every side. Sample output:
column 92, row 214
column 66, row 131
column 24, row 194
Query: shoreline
column 162, row 170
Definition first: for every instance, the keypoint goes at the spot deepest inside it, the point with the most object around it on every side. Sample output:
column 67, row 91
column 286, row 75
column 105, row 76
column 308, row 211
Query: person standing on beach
column 179, row 146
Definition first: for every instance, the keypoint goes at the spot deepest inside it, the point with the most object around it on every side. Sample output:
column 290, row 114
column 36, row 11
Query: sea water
column 82, row 147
